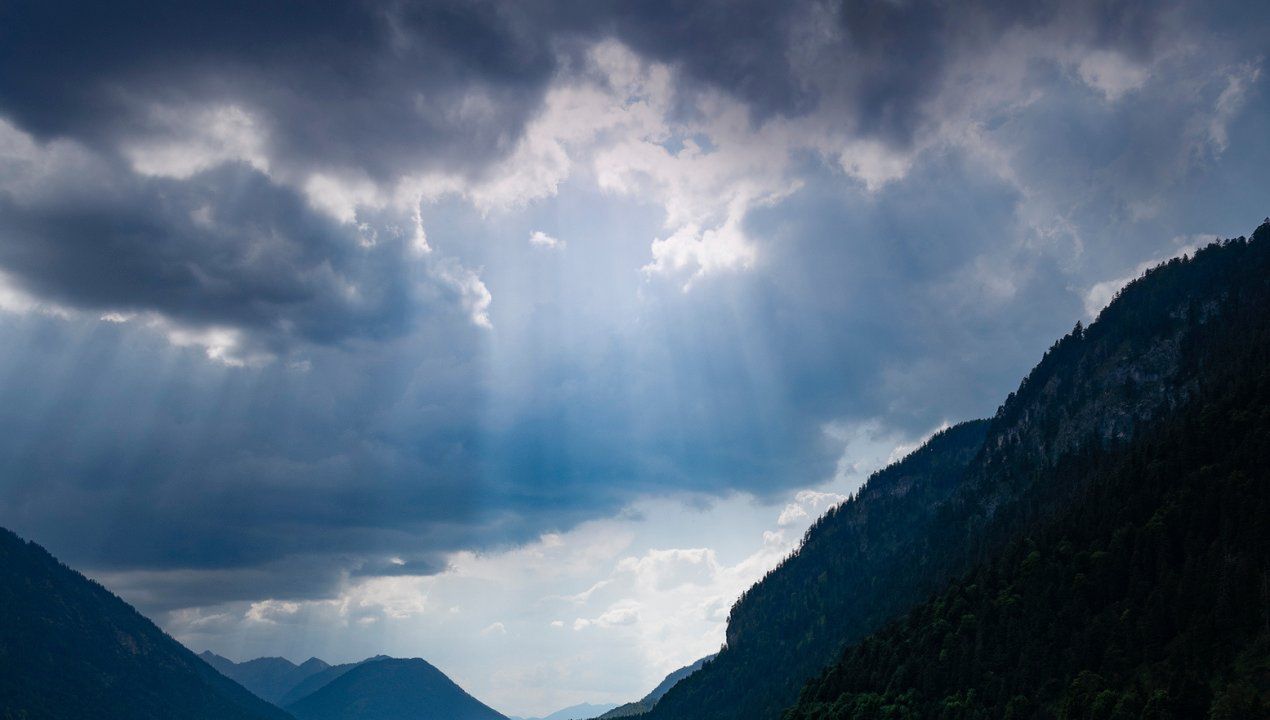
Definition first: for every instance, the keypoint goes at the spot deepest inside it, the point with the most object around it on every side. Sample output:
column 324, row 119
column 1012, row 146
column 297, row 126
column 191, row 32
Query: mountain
column 270, row 678
column 835, row 588
column 392, row 689
column 969, row 494
column 319, row 679
column 1147, row 595
column 644, row 704
column 581, row 711
column 71, row 650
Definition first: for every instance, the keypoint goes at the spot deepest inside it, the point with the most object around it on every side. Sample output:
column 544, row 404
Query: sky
column 523, row 337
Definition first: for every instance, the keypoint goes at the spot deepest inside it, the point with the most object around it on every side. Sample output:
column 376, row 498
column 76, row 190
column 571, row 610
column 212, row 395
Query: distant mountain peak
column 270, row 678
column 581, row 711
column 392, row 689
column 315, row 664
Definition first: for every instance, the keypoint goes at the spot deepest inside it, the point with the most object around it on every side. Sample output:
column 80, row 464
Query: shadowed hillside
column 71, row 650
column 392, row 689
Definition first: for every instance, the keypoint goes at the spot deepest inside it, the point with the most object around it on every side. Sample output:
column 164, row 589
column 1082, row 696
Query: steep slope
column 392, row 690
column 896, row 543
column 646, row 703
column 835, row 588
column 270, row 678
column 318, row 680
column 70, row 649
column 1149, row 595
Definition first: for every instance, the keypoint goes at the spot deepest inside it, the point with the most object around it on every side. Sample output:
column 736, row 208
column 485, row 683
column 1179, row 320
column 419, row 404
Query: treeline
column 1148, row 596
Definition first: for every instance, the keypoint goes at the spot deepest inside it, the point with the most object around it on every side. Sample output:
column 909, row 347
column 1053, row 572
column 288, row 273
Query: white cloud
column 873, row 163
column 394, row 597
column 541, row 239
column 1230, row 102
column 663, row 570
column 808, row 505
column 495, row 628
column 622, row 613
column 269, row 611
column 340, row 197
column 188, row 140
column 221, row 344
column 1111, row 73
column 616, row 127
column 473, row 294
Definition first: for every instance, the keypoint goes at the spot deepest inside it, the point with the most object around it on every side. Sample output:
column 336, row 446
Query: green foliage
column 1137, row 580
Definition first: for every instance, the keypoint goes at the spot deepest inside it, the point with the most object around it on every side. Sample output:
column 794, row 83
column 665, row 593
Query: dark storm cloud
column 393, row 431
column 226, row 248
column 383, row 88
column 392, row 88
column 122, row 453
column 875, row 64
column 379, row 91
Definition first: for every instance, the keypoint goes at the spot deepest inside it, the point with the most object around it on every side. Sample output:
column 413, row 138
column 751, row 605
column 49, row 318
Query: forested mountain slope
column 646, row 703
column 70, row 650
column 792, row 623
column 961, row 499
column 1148, row 596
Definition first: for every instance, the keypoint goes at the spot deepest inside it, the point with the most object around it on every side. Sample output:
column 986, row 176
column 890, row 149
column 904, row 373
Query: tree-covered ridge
column 794, row 621
column 888, row 548
column 1149, row 595
column 71, row 650
column 646, row 703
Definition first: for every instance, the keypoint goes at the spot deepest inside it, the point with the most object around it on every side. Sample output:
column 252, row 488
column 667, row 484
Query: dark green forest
column 1149, row 595
column 1074, row 456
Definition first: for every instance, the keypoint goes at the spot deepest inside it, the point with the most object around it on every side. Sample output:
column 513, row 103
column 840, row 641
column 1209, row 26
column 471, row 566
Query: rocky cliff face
column 1138, row 362
column 1109, row 389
